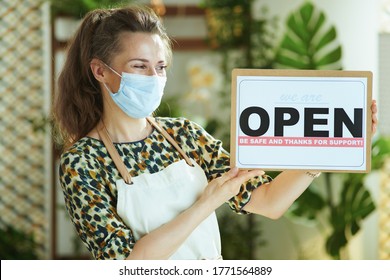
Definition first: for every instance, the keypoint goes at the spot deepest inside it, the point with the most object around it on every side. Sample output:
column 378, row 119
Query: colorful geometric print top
column 88, row 176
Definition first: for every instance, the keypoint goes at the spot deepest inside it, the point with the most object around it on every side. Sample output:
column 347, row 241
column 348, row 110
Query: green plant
column 169, row 107
column 309, row 43
column 241, row 40
column 380, row 152
column 78, row 8
column 348, row 209
column 240, row 237
column 16, row 244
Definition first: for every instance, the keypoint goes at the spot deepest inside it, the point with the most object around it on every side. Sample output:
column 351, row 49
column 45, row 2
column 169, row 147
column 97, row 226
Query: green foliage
column 346, row 217
column 16, row 244
column 309, row 204
column 78, row 8
column 380, row 151
column 227, row 34
column 224, row 4
column 240, row 237
column 232, row 28
column 308, row 42
column 353, row 206
column 169, row 107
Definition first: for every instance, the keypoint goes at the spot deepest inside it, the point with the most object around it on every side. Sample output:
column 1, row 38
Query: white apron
column 151, row 200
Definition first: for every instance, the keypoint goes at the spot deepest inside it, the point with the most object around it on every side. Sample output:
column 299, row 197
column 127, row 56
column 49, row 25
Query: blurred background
column 341, row 216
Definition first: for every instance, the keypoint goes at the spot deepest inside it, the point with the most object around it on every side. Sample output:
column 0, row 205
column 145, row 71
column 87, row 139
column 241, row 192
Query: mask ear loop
column 111, row 69
column 109, row 91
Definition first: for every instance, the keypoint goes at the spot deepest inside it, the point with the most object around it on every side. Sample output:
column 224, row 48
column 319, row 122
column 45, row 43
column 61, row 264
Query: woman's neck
column 123, row 128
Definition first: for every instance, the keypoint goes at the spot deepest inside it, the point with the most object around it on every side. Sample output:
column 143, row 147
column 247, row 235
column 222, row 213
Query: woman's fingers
column 235, row 179
column 374, row 110
column 245, row 175
column 240, row 175
column 228, row 185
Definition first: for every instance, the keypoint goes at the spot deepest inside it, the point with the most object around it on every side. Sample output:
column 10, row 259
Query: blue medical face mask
column 138, row 95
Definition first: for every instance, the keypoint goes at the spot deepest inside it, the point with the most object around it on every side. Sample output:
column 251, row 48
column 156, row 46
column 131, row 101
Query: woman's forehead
column 138, row 44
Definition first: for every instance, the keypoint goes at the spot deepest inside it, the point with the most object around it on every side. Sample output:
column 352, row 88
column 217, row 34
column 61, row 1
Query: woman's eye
column 161, row 67
column 140, row 66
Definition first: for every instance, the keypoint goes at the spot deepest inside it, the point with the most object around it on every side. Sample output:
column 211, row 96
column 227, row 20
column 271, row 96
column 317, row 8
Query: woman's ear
column 98, row 70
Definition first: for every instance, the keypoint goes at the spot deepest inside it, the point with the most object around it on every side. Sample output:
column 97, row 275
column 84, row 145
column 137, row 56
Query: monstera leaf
column 355, row 205
column 307, row 206
column 308, row 43
column 380, row 152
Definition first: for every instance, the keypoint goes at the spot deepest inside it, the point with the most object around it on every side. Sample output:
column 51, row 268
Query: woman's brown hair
column 78, row 103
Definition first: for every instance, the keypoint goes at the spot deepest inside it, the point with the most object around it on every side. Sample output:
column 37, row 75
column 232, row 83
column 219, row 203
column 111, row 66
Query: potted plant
column 16, row 244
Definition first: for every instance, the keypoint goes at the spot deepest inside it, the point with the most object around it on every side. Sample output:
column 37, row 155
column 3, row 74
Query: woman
column 138, row 187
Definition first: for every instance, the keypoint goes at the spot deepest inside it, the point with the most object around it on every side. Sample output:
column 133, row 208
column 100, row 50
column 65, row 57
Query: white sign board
column 301, row 119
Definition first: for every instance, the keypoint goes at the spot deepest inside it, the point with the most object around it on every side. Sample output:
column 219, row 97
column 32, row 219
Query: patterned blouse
column 88, row 176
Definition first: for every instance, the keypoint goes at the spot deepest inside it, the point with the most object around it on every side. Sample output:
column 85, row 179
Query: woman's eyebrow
column 140, row 59
column 144, row 60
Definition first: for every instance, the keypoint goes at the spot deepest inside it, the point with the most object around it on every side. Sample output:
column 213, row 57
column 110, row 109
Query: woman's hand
column 159, row 243
column 374, row 111
column 220, row 190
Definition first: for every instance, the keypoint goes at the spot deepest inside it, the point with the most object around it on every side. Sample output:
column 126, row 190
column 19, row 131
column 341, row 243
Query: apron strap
column 153, row 122
column 105, row 137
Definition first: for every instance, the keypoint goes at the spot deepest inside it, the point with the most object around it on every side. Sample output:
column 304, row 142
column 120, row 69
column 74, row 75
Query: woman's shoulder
column 179, row 123
column 83, row 149
column 171, row 121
